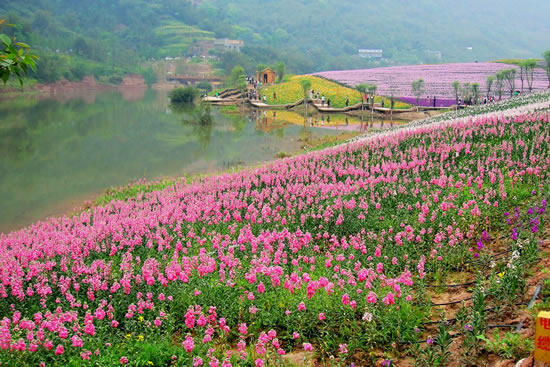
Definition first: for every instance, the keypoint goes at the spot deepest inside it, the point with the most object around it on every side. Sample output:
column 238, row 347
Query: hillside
column 116, row 36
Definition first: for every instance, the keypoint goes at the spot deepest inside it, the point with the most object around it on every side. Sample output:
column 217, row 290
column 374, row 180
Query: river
column 57, row 153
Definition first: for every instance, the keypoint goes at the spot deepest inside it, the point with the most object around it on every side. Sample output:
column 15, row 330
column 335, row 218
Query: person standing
column 347, row 101
column 434, row 101
column 328, row 103
column 323, row 100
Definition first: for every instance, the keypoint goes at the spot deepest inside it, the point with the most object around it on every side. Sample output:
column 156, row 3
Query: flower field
column 291, row 91
column 438, row 78
column 332, row 253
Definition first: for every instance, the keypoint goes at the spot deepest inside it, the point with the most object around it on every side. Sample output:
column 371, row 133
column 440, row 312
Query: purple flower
column 429, row 341
column 468, row 327
column 386, row 362
column 479, row 245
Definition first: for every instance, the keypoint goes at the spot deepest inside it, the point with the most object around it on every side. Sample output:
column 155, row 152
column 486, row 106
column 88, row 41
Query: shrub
column 185, row 95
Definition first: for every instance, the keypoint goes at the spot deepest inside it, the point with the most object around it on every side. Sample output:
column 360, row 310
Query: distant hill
column 309, row 35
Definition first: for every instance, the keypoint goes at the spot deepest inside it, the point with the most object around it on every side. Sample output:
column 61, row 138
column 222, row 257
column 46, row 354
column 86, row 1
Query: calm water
column 56, row 154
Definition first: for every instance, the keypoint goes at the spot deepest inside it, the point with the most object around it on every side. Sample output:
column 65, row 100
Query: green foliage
column 512, row 346
column 306, row 86
column 547, row 67
column 529, row 66
column 205, row 87
column 186, row 96
column 456, row 89
column 236, row 78
column 500, row 78
column 280, row 68
column 418, row 88
column 148, row 75
column 489, row 84
column 15, row 58
column 475, row 92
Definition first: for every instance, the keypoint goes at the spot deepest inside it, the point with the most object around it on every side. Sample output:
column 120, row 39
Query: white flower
column 367, row 317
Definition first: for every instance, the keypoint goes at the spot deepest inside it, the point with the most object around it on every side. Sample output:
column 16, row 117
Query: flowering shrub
column 321, row 252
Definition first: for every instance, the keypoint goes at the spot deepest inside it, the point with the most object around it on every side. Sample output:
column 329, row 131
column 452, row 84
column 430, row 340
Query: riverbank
column 66, row 87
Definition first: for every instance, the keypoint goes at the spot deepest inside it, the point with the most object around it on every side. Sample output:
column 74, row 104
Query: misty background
column 76, row 37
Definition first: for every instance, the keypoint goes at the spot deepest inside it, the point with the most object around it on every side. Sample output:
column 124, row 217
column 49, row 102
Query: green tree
column 281, row 69
column 500, row 76
column 15, row 58
column 362, row 89
column 418, row 88
column 306, row 86
column 456, row 89
column 371, row 88
column 547, row 67
column 260, row 67
column 522, row 72
column 204, row 86
column 236, row 78
column 183, row 96
column 510, row 78
column 530, row 66
column 489, row 84
column 81, row 47
column 466, row 92
column 475, row 92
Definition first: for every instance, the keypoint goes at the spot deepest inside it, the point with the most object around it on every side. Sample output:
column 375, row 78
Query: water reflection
column 56, row 154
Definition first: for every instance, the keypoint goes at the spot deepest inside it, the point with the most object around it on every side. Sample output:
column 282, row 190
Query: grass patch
column 311, row 144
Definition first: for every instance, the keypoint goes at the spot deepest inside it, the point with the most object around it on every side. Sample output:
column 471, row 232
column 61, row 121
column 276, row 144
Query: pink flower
column 188, row 344
column 307, row 347
column 389, row 299
column 295, row 335
column 302, row 306
column 343, row 348
column 59, row 350
column 243, row 329
column 345, row 299
column 123, row 360
column 77, row 342
column 259, row 362
column 372, row 298
column 89, row 329
column 322, row 316
column 261, row 288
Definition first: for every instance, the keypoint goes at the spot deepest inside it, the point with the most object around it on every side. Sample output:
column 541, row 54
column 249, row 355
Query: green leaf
column 5, row 39
column 5, row 77
column 24, row 45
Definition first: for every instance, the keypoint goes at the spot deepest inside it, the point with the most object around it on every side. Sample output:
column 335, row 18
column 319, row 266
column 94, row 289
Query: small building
column 433, row 54
column 225, row 44
column 368, row 53
column 266, row 76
